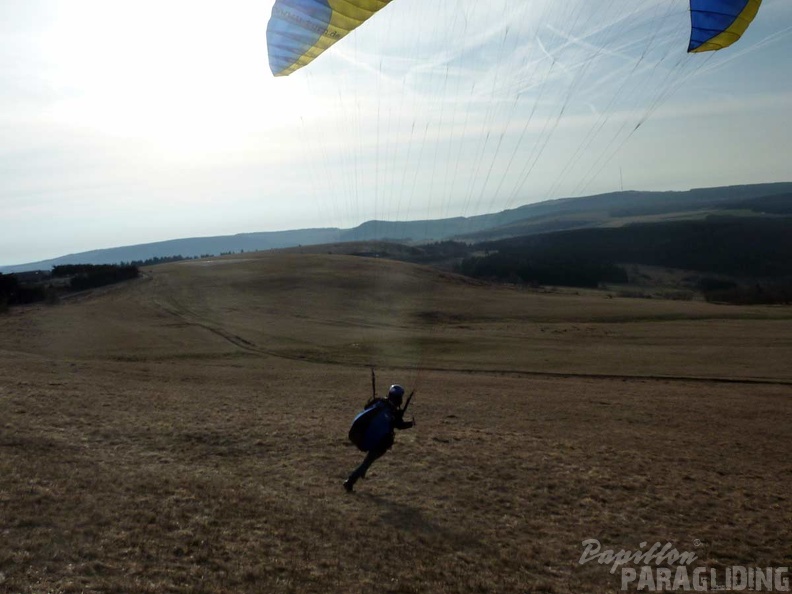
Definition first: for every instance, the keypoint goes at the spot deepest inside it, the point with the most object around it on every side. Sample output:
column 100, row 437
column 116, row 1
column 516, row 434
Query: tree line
column 27, row 288
column 747, row 260
column 542, row 269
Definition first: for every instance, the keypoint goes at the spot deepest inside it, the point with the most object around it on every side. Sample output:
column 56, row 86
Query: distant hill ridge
column 602, row 210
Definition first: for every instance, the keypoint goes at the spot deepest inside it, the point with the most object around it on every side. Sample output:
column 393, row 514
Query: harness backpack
column 371, row 426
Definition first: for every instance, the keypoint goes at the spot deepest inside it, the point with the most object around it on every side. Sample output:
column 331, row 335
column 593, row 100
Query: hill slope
column 361, row 311
column 186, row 432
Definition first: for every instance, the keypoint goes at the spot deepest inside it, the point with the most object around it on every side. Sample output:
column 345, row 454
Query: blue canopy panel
column 716, row 24
column 300, row 30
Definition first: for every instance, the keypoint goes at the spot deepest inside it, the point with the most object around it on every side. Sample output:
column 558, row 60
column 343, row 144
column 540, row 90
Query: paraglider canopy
column 716, row 24
column 300, row 30
column 435, row 109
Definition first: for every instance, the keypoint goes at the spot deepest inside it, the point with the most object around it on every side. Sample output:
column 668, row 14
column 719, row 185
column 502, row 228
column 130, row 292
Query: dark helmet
column 395, row 394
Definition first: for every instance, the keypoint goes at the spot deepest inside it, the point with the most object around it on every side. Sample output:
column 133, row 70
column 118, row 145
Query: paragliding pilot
column 372, row 430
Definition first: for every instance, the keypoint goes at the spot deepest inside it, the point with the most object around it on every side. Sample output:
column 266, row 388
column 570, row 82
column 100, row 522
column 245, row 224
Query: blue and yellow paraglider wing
column 716, row 24
column 300, row 30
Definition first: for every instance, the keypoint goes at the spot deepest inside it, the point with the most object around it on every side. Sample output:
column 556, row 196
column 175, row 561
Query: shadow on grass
column 412, row 519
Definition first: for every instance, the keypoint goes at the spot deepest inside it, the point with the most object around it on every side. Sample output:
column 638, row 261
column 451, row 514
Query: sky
column 124, row 123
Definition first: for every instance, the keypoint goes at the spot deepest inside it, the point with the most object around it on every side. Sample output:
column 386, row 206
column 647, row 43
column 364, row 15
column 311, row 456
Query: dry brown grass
column 187, row 433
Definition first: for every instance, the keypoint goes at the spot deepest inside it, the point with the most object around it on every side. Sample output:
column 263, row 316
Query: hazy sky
column 131, row 122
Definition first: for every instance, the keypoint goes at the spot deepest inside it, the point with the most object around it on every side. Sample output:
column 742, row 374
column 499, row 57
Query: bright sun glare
column 187, row 78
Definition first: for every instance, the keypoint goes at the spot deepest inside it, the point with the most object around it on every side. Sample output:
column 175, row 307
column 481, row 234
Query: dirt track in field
column 186, row 432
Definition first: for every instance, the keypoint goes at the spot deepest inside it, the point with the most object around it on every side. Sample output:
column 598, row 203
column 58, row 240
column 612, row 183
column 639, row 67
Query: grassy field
column 186, row 432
